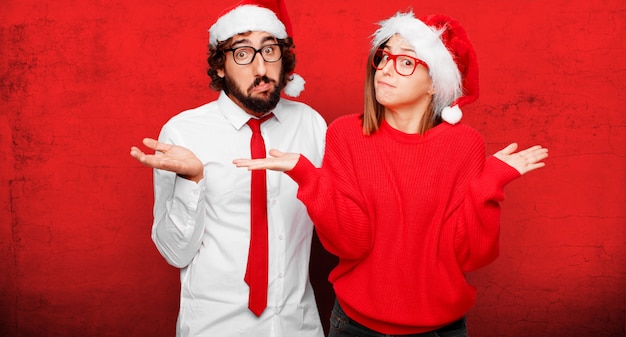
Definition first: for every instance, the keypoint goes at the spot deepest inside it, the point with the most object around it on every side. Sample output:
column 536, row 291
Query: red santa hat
column 257, row 15
column 459, row 45
column 444, row 45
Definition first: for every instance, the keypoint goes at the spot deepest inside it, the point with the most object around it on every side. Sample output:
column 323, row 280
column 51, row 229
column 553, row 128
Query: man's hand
column 169, row 157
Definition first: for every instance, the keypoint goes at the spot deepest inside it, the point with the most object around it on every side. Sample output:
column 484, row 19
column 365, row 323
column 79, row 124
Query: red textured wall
column 82, row 81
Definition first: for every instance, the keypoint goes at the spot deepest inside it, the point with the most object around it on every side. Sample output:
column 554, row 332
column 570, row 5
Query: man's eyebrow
column 249, row 43
column 240, row 42
column 269, row 38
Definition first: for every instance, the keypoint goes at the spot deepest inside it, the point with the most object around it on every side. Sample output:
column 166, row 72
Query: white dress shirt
column 204, row 228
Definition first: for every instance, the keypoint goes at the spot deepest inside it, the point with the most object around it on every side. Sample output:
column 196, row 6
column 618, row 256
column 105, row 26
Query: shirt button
column 274, row 202
column 280, row 237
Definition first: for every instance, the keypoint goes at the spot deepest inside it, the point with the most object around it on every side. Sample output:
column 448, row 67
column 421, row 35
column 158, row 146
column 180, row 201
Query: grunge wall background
column 82, row 81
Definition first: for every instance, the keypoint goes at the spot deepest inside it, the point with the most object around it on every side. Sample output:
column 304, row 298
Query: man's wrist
column 195, row 178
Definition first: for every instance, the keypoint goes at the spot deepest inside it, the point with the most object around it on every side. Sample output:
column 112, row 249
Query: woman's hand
column 523, row 161
column 279, row 161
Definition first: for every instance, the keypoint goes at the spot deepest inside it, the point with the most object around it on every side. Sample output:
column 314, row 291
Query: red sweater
column 407, row 215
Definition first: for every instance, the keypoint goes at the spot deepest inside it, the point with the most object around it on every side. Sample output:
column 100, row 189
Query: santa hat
column 443, row 44
column 257, row 15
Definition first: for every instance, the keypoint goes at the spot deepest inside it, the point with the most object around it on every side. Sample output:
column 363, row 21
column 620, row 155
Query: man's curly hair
column 217, row 58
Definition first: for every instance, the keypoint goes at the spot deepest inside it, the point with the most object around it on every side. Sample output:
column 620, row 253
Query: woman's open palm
column 523, row 161
column 279, row 161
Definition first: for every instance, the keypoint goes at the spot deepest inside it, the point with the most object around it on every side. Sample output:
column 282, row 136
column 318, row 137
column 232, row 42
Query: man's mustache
column 259, row 80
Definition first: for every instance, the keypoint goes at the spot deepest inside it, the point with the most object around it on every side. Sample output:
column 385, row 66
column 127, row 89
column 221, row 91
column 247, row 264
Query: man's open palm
column 170, row 158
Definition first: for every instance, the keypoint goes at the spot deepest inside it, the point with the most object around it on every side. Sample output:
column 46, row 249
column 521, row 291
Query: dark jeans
column 342, row 326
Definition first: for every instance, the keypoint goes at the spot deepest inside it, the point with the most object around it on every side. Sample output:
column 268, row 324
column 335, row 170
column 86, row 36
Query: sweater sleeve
column 478, row 230
column 334, row 201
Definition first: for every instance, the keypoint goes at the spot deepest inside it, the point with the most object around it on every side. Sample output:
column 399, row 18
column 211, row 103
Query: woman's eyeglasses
column 403, row 64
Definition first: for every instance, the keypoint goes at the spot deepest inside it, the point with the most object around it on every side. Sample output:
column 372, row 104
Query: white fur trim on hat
column 452, row 115
column 295, row 86
column 246, row 18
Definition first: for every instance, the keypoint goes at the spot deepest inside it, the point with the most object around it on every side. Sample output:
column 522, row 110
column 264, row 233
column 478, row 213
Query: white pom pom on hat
column 452, row 114
column 258, row 15
column 295, row 86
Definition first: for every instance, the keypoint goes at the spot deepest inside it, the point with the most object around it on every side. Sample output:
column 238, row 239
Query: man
column 244, row 267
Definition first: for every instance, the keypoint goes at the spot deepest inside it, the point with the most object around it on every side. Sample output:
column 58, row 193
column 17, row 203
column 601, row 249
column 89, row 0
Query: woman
column 405, row 196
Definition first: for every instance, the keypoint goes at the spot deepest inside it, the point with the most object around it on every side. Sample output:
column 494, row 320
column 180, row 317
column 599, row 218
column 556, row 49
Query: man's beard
column 254, row 104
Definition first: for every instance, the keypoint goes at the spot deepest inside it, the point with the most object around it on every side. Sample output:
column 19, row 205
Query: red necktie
column 256, row 270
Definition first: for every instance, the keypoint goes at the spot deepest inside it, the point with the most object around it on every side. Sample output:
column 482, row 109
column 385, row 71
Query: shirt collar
column 236, row 115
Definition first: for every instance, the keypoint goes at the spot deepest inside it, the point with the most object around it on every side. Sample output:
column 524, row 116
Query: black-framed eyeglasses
column 404, row 65
column 246, row 54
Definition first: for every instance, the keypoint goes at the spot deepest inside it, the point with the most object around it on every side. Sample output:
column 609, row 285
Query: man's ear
column 220, row 73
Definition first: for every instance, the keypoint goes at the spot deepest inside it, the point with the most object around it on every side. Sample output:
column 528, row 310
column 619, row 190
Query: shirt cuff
column 187, row 192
